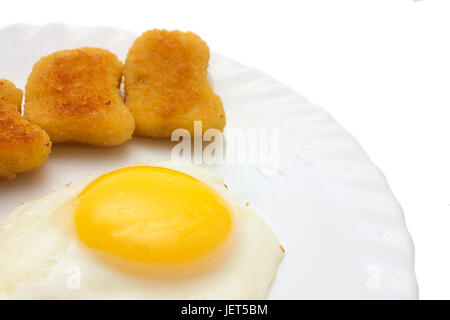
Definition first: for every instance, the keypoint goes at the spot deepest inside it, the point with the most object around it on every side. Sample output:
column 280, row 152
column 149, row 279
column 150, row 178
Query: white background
column 381, row 68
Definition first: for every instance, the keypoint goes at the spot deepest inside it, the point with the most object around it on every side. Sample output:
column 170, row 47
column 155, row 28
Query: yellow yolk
column 153, row 215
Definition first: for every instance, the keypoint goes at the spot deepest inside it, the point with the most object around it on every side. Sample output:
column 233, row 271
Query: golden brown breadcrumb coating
column 23, row 145
column 74, row 96
column 166, row 85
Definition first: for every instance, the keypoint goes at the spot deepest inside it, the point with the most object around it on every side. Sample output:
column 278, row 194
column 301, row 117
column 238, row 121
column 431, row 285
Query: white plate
column 332, row 209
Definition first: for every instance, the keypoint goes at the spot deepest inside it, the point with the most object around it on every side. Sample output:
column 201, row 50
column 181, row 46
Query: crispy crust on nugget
column 23, row 145
column 166, row 85
column 74, row 96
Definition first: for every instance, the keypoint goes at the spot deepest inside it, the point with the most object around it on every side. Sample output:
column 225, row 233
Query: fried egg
column 159, row 230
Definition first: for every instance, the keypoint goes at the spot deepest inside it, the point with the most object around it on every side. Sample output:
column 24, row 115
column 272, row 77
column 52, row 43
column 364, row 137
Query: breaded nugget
column 166, row 85
column 23, row 145
column 74, row 96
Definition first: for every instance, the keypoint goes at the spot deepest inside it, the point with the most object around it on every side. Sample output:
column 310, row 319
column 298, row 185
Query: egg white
column 41, row 256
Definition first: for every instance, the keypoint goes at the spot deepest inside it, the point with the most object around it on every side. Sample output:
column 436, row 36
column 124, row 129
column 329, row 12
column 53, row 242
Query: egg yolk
column 152, row 215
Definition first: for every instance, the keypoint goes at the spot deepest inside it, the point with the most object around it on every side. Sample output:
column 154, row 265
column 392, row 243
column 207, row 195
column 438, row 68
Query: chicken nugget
column 23, row 145
column 74, row 96
column 166, row 85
